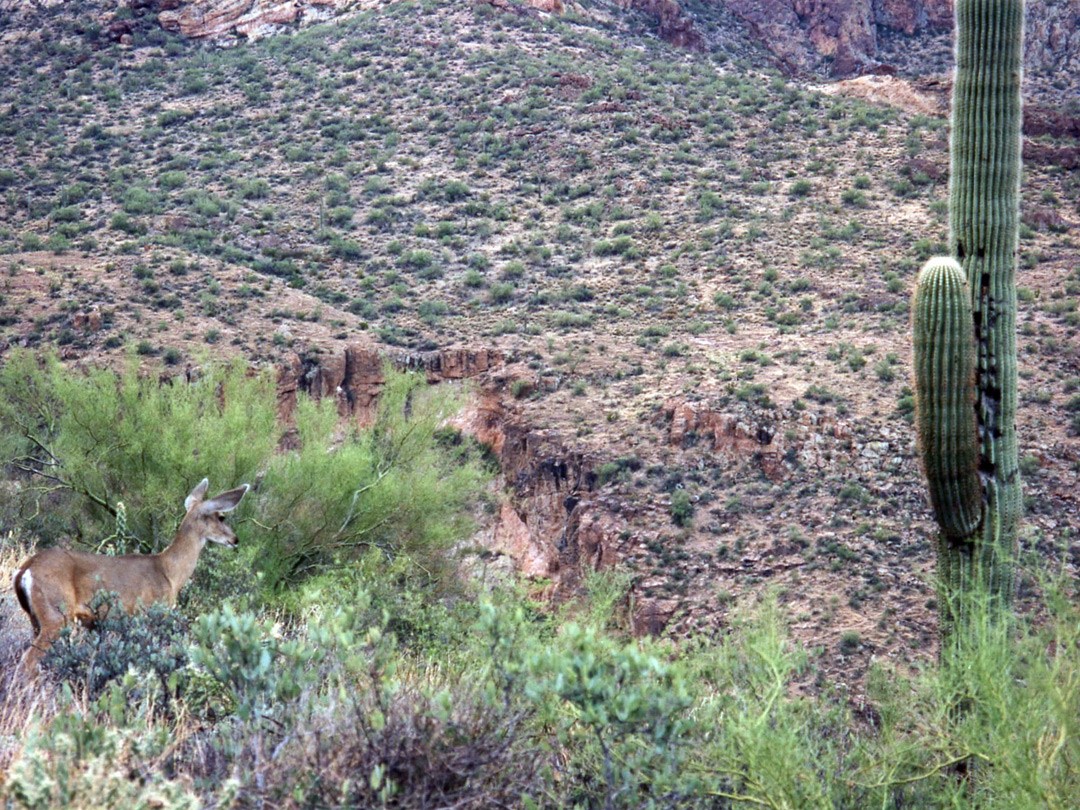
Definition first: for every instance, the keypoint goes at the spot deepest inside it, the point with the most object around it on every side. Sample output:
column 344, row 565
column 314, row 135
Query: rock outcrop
column 777, row 444
column 243, row 19
column 1052, row 36
column 807, row 34
column 842, row 37
column 550, row 520
column 673, row 26
column 355, row 377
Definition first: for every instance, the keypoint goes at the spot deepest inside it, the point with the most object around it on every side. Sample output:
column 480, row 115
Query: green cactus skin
column 984, row 193
column 944, row 341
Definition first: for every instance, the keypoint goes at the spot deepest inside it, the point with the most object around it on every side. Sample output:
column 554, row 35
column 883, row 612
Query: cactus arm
column 944, row 343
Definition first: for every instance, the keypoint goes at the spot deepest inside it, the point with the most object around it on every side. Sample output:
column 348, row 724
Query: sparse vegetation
column 696, row 275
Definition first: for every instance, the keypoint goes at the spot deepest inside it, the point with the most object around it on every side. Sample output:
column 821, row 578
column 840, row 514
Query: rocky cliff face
column 844, row 37
column 245, row 19
column 550, row 521
column 673, row 25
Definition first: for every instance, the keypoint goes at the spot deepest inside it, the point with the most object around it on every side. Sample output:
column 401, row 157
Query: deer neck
column 180, row 557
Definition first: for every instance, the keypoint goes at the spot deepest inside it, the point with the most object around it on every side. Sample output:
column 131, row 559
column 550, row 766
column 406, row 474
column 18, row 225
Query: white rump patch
column 27, row 582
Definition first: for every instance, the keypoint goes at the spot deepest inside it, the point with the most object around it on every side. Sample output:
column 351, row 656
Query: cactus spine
column 971, row 463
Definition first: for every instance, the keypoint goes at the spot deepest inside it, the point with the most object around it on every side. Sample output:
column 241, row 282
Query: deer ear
column 225, row 502
column 196, row 495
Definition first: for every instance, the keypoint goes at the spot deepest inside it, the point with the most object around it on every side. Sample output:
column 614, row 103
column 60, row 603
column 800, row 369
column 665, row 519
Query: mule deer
column 55, row 586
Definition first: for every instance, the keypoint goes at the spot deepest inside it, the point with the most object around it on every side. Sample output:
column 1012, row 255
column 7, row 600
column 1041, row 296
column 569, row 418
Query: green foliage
column 682, row 507
column 84, row 760
column 249, row 656
column 153, row 642
column 627, row 700
column 100, row 444
column 139, row 201
column 390, row 487
column 105, row 438
column 335, row 710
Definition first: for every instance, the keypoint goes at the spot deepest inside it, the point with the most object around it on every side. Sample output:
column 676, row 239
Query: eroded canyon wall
column 844, row 36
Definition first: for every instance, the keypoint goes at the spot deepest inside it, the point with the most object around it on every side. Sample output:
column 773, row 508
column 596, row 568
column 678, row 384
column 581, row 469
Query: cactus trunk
column 976, row 547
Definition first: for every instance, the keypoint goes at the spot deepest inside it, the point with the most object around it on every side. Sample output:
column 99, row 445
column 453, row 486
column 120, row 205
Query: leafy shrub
column 139, row 201
column 392, row 487
column 255, row 188
column 245, row 654
column 58, row 243
column 151, row 642
column 172, row 179
column 682, row 508
column 628, row 702
column 389, row 487
column 501, row 292
column 801, row 188
column 340, row 215
column 84, row 760
column 399, row 738
column 106, row 438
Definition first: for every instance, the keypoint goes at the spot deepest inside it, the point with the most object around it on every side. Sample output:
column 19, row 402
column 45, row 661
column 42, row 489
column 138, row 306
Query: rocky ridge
column 839, row 38
column 241, row 19
column 845, row 37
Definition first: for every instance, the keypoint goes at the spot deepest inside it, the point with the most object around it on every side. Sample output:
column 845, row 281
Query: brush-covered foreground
column 665, row 246
column 344, row 657
column 370, row 694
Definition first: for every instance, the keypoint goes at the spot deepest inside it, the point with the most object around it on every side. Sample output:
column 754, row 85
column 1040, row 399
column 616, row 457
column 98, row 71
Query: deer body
column 56, row 586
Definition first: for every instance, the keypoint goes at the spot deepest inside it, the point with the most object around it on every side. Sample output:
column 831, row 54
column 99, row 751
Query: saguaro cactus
column 964, row 317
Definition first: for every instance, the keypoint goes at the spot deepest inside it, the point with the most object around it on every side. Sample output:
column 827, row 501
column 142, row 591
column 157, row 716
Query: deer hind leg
column 45, row 616
column 48, row 628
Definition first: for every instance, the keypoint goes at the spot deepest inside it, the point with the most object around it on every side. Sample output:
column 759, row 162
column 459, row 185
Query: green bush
column 139, row 201
column 682, row 507
column 93, row 439
column 390, row 487
column 84, row 760
column 259, row 668
column 106, row 438
column 153, row 642
column 629, row 720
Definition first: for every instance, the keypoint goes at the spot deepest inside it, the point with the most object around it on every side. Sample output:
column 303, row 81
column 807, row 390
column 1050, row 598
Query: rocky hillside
column 843, row 37
column 838, row 38
column 678, row 277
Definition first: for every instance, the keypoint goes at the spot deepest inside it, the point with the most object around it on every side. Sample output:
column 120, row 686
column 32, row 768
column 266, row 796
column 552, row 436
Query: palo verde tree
column 964, row 323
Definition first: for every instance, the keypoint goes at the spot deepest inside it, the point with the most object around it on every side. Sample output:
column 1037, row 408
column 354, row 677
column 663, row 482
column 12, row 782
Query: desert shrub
column 628, row 729
column 340, row 215
column 682, row 507
column 139, row 201
column 260, row 669
column 95, row 438
column 58, row 243
column 153, row 642
column 776, row 749
column 255, row 188
column 389, row 487
column 402, row 737
column 800, row 188
column 91, row 440
column 84, row 760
